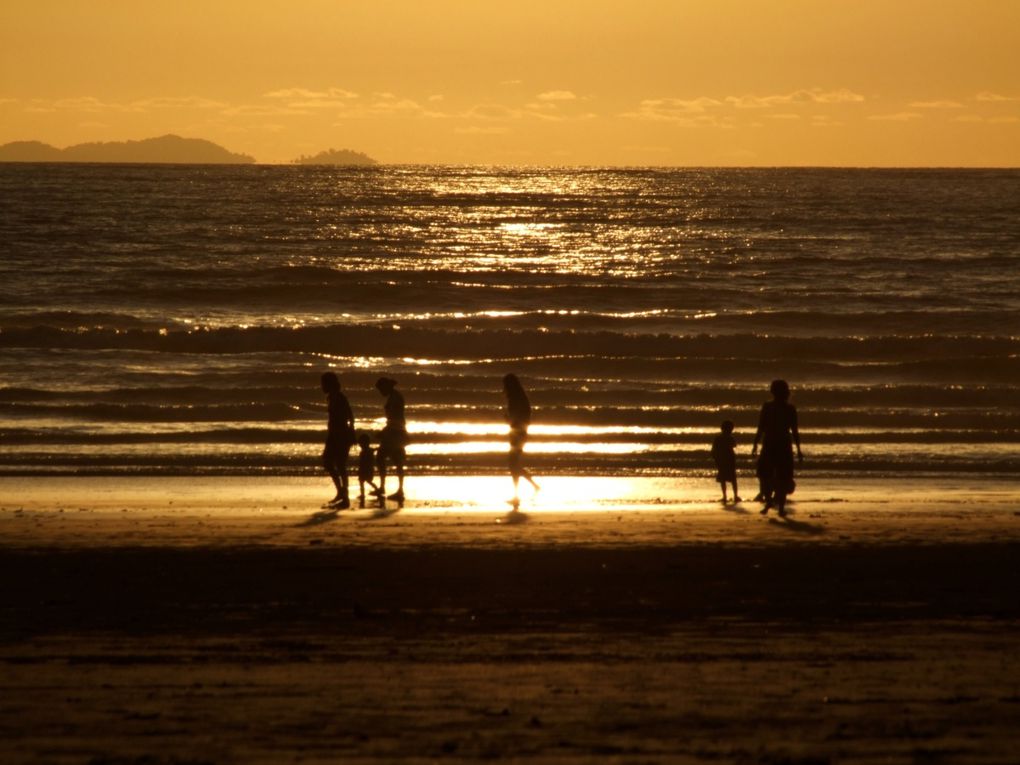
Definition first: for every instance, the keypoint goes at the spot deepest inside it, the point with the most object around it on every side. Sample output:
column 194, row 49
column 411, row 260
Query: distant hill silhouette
column 336, row 157
column 169, row 149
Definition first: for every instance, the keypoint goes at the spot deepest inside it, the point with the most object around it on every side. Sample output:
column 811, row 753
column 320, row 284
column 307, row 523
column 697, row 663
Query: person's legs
column 400, row 479
column 526, row 474
column 761, row 471
column 784, row 478
column 336, row 468
column 766, row 479
column 334, row 474
column 513, row 464
column 380, row 463
column 341, row 468
column 515, row 459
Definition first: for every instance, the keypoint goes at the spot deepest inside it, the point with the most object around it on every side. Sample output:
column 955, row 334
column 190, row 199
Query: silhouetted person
column 339, row 438
column 518, row 415
column 366, row 467
column 777, row 430
column 393, row 439
column 724, row 454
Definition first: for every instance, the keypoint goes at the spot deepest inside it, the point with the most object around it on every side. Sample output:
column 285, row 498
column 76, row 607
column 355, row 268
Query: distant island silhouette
column 336, row 157
column 167, row 149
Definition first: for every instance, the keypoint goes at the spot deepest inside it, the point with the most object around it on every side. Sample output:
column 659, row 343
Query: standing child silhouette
column 726, row 459
column 366, row 467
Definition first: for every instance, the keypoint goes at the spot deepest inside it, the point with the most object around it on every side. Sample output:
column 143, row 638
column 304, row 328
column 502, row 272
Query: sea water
column 176, row 319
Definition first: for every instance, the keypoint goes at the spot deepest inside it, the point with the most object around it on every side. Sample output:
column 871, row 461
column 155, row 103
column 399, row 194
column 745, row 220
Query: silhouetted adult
column 339, row 438
column 518, row 415
column 777, row 431
column 393, row 439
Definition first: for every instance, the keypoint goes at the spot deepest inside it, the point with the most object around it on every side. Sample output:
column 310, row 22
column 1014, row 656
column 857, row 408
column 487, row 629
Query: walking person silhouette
column 339, row 438
column 518, row 416
column 777, row 431
column 394, row 439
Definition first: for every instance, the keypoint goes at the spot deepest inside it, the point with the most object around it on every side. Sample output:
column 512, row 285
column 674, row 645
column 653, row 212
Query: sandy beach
column 210, row 620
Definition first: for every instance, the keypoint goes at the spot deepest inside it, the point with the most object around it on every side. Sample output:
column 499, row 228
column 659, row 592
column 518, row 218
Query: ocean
column 175, row 320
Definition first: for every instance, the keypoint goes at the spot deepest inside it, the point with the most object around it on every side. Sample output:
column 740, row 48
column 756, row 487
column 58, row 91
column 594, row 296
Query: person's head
column 330, row 382
column 780, row 390
column 385, row 385
column 727, row 426
column 364, row 441
column 512, row 386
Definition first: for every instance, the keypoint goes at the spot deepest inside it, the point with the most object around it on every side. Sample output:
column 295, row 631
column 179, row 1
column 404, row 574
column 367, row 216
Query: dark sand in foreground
column 141, row 634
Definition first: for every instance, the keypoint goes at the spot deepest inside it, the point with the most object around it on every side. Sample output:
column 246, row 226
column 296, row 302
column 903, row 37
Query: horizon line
column 379, row 165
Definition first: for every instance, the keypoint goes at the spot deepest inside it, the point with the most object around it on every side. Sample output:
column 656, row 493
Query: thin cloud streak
column 557, row 95
column 935, row 105
column 989, row 97
column 685, row 111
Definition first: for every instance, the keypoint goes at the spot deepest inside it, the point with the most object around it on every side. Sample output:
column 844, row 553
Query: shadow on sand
column 513, row 518
column 736, row 507
column 323, row 516
column 383, row 512
column 799, row 527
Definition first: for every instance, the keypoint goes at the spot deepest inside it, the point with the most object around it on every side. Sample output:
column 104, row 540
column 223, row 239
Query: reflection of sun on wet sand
column 233, row 620
column 459, row 510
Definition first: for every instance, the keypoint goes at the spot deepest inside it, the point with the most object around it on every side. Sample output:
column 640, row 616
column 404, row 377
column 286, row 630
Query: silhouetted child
column 726, row 459
column 366, row 466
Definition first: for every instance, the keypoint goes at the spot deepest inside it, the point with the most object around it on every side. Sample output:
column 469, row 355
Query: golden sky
column 585, row 82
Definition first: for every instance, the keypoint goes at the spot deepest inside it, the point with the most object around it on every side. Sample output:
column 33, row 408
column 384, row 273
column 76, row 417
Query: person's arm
column 794, row 432
column 346, row 412
column 343, row 409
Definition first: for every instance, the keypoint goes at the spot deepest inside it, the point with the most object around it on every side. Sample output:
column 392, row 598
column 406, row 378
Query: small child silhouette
column 366, row 467
column 726, row 459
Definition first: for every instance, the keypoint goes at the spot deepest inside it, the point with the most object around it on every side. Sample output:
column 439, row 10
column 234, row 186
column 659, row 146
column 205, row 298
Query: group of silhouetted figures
column 341, row 436
column 777, row 433
column 392, row 450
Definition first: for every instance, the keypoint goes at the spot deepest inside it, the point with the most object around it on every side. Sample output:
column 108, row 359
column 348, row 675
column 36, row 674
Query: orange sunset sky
column 642, row 82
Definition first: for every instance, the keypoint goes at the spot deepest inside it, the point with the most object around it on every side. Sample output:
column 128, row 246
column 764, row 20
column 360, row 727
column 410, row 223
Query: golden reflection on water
column 539, row 447
column 501, row 428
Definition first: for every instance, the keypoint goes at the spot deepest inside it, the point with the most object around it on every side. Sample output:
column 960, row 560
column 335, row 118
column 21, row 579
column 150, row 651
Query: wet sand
column 241, row 624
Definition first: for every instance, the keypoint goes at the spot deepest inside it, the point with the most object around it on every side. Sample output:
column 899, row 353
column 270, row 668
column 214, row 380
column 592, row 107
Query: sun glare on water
column 557, row 493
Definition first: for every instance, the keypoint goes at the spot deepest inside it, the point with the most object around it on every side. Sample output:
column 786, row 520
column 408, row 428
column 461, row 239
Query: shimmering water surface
column 168, row 319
